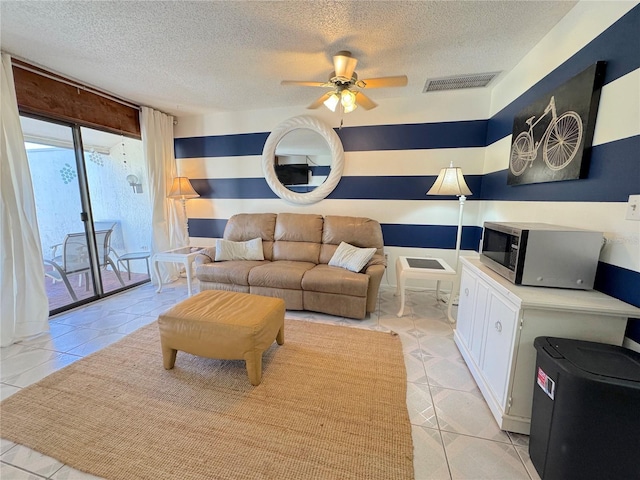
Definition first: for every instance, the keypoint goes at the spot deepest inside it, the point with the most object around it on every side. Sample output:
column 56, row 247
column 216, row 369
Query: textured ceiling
column 194, row 57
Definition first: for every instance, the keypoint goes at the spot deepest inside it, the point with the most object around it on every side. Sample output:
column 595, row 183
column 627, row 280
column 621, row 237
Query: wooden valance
column 42, row 94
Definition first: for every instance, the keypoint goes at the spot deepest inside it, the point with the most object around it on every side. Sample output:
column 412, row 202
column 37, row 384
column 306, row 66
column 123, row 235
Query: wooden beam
column 42, row 95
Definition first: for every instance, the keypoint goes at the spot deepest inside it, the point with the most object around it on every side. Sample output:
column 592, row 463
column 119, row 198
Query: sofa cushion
column 298, row 227
column 233, row 271
column 296, row 251
column 249, row 250
column 350, row 257
column 297, row 237
column 326, row 279
column 246, row 226
column 279, row 274
column 357, row 231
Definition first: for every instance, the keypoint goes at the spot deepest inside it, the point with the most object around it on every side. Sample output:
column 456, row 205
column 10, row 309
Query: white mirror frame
column 269, row 155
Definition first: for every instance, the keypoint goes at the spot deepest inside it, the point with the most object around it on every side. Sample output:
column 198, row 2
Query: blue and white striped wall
column 592, row 31
column 393, row 154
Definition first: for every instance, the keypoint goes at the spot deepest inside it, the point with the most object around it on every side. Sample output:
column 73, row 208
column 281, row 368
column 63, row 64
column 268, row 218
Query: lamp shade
column 347, row 98
column 450, row 181
column 182, row 189
column 349, row 108
column 332, row 101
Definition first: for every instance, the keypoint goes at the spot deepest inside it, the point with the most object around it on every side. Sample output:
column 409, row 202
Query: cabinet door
column 466, row 312
column 501, row 320
column 477, row 331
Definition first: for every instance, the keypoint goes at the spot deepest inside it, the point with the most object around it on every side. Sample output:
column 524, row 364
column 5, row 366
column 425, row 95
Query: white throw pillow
column 249, row 250
column 350, row 257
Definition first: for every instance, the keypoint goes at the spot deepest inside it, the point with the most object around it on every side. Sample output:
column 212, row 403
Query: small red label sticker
column 545, row 382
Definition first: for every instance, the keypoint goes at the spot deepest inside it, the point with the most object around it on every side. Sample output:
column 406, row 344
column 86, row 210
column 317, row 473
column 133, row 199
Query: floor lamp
column 450, row 181
column 183, row 191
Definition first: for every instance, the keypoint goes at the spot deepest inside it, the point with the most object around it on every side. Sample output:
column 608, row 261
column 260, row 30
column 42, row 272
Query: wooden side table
column 423, row 269
column 183, row 255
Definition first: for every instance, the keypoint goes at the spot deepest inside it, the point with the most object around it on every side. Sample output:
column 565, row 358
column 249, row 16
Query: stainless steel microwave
column 540, row 254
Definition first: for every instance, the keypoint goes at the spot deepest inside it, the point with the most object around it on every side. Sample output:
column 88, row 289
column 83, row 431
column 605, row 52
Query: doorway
column 93, row 210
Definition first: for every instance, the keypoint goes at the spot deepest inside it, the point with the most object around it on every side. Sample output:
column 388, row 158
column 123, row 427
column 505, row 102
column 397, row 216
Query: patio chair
column 74, row 259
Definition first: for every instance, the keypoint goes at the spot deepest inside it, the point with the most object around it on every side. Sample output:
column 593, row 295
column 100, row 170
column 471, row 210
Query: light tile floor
column 454, row 433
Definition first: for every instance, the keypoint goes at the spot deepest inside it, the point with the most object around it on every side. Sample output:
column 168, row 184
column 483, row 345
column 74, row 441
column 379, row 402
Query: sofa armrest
column 377, row 259
column 375, row 273
column 206, row 255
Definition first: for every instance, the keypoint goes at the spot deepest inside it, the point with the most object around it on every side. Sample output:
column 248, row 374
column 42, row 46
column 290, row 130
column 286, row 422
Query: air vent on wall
column 459, row 81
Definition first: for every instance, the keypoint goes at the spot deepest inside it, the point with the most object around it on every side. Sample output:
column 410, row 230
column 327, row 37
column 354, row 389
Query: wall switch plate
column 633, row 208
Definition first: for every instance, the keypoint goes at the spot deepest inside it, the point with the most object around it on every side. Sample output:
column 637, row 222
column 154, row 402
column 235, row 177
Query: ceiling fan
column 346, row 88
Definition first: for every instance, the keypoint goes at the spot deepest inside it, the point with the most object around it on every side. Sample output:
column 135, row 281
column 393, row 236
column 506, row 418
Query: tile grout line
column 22, row 468
column 435, row 413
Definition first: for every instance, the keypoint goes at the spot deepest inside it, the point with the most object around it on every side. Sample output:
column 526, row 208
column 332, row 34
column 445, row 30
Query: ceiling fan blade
column 365, row 102
column 303, row 83
column 319, row 101
column 399, row 81
column 344, row 64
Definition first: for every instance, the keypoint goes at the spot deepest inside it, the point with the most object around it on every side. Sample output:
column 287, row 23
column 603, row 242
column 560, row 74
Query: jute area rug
column 331, row 405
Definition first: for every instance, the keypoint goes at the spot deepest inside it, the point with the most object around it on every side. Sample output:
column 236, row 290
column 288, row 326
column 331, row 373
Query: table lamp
column 183, row 190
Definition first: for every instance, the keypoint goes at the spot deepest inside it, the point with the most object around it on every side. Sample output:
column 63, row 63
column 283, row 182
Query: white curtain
column 24, row 306
column 167, row 216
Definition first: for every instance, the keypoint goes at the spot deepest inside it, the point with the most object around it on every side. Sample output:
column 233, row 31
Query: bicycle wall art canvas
column 552, row 137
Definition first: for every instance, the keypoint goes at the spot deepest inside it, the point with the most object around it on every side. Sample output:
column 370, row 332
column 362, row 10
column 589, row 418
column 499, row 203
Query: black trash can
column 585, row 421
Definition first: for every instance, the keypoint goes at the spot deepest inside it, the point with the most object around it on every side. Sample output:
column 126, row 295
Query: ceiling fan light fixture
column 345, row 85
column 332, row 101
column 347, row 98
column 349, row 108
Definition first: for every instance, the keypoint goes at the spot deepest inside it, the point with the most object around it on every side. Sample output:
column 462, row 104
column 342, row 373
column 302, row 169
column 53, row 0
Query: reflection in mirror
column 302, row 160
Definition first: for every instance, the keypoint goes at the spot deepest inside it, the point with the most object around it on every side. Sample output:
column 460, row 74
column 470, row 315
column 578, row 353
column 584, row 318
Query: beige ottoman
column 223, row 325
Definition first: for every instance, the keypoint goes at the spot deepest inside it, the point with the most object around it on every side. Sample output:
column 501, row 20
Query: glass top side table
column 182, row 255
column 421, row 268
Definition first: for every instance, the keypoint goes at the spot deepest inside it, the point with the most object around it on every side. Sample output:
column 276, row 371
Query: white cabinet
column 498, row 321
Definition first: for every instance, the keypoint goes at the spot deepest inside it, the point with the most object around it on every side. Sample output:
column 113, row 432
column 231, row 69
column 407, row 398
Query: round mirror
column 297, row 148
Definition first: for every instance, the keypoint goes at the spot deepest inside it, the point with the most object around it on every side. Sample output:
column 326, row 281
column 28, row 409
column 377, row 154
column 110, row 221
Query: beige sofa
column 297, row 249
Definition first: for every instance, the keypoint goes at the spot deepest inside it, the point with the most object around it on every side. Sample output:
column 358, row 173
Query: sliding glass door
column 94, row 227
column 120, row 207
column 54, row 174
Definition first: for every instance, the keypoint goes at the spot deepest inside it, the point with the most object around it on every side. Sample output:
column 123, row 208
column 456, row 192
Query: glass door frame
column 86, row 216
